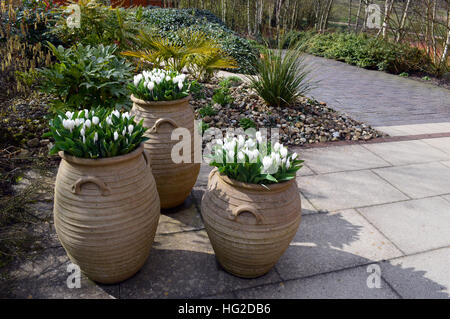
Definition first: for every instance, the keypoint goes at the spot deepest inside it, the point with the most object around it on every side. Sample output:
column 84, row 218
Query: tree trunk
column 447, row 42
column 358, row 15
column 387, row 12
column 403, row 21
column 327, row 14
column 349, row 13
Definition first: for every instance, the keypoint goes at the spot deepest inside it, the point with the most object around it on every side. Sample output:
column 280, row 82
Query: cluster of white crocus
column 86, row 119
column 156, row 76
column 241, row 150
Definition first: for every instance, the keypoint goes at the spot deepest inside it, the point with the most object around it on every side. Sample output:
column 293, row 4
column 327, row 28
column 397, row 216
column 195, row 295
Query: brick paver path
column 377, row 98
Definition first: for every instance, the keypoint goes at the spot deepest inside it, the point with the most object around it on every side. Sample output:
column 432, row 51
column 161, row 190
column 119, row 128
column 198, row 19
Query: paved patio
column 384, row 204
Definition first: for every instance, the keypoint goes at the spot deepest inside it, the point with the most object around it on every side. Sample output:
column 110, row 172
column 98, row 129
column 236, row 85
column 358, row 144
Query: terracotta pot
column 106, row 213
column 250, row 226
column 174, row 181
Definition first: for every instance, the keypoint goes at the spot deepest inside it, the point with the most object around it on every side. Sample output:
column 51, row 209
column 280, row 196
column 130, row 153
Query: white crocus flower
column 88, row 123
column 276, row 147
column 124, row 131
column 288, row 164
column 294, row 156
column 116, row 136
column 116, row 113
column 126, row 115
column 69, row 125
column 241, row 157
column 158, row 80
column 151, row 86
column 82, row 132
column 69, row 115
column 95, row 120
column 267, row 162
column 240, row 141
column 283, row 151
column 95, row 137
column 168, row 78
column 130, row 129
column 230, row 156
column 86, row 113
column 137, row 79
column 77, row 122
column 258, row 137
column 180, row 85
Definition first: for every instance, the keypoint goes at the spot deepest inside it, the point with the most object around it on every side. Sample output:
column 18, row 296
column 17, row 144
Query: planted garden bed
column 305, row 122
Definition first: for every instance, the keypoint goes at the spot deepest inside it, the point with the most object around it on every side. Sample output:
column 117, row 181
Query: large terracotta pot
column 249, row 225
column 106, row 213
column 174, row 181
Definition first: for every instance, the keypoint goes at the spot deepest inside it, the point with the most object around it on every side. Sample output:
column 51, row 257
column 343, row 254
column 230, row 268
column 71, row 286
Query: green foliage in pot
column 95, row 133
column 254, row 160
column 160, row 85
column 87, row 76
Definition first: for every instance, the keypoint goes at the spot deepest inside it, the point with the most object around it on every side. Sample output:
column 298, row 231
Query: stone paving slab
column 415, row 129
column 335, row 191
column 446, row 197
column 413, row 226
column 446, row 163
column 443, row 144
column 183, row 265
column 307, row 207
column 407, row 152
column 305, row 170
column 45, row 277
column 184, row 219
column 418, row 180
column 424, row 275
column 328, row 242
column 346, row 284
column 341, row 158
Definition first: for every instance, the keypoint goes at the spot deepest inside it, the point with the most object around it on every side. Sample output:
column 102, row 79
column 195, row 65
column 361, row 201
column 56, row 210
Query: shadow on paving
column 183, row 265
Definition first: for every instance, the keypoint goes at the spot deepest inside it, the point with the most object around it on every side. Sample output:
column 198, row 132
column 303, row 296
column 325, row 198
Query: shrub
column 281, row 76
column 222, row 96
column 100, row 24
column 97, row 133
column 254, row 160
column 247, row 123
column 207, row 110
column 22, row 30
column 87, row 77
column 368, row 52
column 168, row 22
column 160, row 85
column 198, row 53
column 230, row 81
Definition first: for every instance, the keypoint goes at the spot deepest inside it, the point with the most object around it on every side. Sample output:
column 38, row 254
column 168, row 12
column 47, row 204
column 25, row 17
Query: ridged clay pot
column 106, row 212
column 250, row 226
column 173, row 180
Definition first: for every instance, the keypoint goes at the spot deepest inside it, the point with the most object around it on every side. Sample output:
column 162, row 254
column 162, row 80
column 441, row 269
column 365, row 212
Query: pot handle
column 147, row 158
column 76, row 187
column 246, row 208
column 161, row 121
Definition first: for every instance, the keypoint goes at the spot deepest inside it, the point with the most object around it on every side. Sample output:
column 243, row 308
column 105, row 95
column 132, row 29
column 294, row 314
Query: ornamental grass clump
column 95, row 133
column 160, row 85
column 254, row 160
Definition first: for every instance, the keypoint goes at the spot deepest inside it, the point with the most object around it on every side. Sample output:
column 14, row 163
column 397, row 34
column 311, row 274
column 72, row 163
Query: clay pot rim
column 102, row 161
column 159, row 103
column 253, row 187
